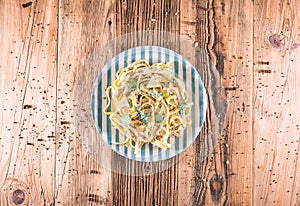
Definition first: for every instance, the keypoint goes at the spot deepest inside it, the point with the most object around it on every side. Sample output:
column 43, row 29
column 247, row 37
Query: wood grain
column 276, row 103
column 84, row 26
column 216, row 22
column 196, row 174
column 248, row 57
column 28, row 65
column 160, row 188
column 233, row 47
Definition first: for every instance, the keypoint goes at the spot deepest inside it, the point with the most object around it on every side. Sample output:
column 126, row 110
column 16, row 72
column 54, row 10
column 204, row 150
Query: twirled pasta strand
column 148, row 104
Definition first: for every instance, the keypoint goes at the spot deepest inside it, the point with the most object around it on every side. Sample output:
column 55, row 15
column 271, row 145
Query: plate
column 182, row 69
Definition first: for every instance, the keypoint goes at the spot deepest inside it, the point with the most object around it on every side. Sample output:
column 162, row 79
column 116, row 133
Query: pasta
column 148, row 104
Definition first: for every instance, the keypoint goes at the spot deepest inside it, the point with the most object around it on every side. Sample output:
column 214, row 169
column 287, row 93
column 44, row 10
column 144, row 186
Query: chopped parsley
column 143, row 117
column 158, row 117
column 131, row 82
column 182, row 107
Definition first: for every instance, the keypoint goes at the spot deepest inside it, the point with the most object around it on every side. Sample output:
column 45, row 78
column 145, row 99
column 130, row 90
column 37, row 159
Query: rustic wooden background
column 253, row 46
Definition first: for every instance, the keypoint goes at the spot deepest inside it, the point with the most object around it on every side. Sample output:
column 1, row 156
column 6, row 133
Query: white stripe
column 189, row 85
column 197, row 104
column 96, row 105
column 113, row 130
column 121, row 136
column 180, row 75
column 104, row 117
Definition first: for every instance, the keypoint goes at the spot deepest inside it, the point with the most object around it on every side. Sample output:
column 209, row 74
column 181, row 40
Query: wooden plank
column 28, row 64
column 83, row 27
column 225, row 177
column 223, row 29
column 277, row 102
column 188, row 185
column 211, row 175
column 232, row 52
column 160, row 188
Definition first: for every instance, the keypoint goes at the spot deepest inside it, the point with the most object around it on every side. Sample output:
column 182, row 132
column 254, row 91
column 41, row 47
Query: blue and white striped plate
column 182, row 69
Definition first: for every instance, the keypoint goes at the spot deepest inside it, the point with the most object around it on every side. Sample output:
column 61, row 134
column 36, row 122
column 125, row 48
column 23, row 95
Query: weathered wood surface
column 253, row 47
column 276, row 101
column 28, row 64
column 83, row 28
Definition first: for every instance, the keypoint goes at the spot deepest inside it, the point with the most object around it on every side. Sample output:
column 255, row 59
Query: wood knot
column 18, row 197
column 15, row 192
column 294, row 46
column 276, row 41
column 216, row 186
column 282, row 42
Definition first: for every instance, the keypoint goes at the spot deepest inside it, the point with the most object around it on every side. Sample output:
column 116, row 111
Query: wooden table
column 254, row 52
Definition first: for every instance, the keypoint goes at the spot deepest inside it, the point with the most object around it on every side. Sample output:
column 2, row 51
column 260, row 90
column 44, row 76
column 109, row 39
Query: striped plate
column 182, row 69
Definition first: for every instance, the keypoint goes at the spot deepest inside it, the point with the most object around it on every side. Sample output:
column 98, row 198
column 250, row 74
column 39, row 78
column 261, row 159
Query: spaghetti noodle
column 148, row 104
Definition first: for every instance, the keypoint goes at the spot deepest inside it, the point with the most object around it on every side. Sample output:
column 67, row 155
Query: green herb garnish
column 158, row 117
column 131, row 82
column 143, row 117
column 182, row 107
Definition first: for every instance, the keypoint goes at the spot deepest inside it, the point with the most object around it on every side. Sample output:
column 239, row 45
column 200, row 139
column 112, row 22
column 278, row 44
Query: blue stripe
column 193, row 107
column 201, row 103
column 125, row 64
column 184, row 140
column 184, row 79
column 176, row 59
column 151, row 152
column 167, row 55
column 99, row 109
column 93, row 104
column 176, row 67
column 133, row 55
column 143, row 153
column 143, row 53
column 117, row 131
column 108, row 123
column 184, row 70
column 158, row 56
